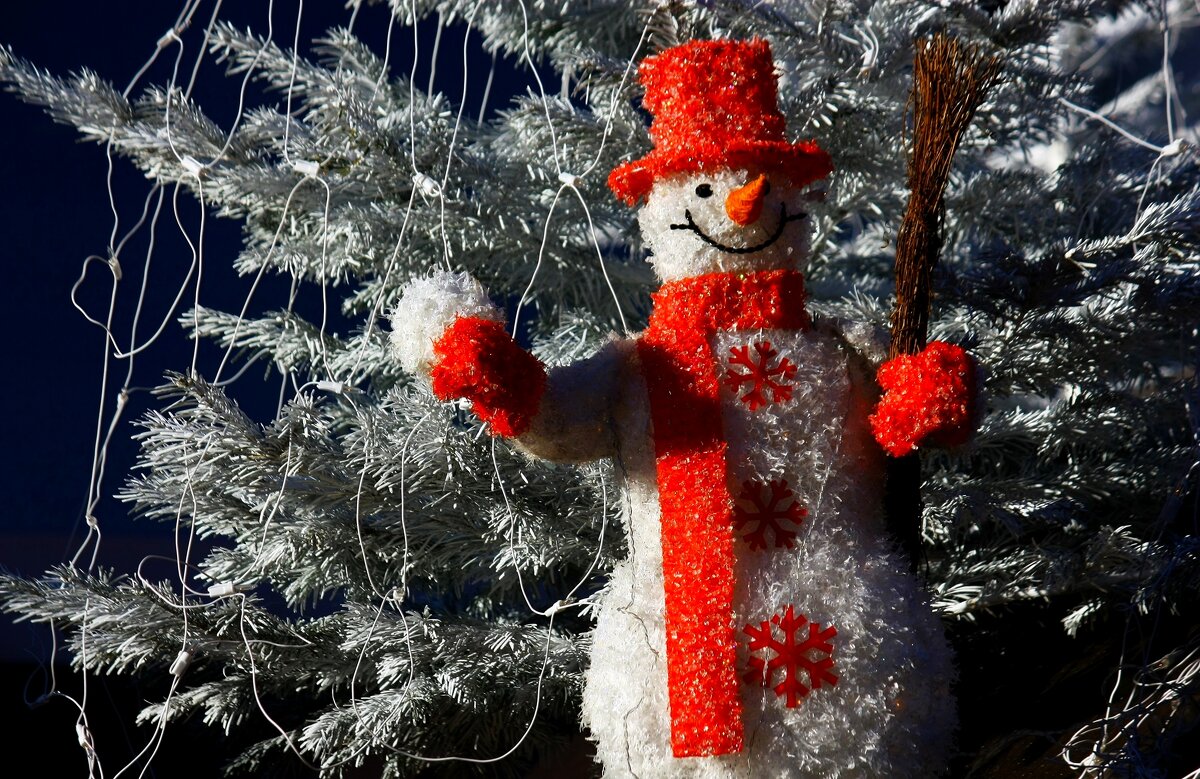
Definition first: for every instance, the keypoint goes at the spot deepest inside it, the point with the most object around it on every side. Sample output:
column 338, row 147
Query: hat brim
column 802, row 162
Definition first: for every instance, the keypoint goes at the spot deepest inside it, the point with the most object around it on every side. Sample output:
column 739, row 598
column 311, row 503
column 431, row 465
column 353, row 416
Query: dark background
column 55, row 212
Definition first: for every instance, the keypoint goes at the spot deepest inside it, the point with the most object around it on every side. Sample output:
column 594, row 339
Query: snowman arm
column 574, row 422
column 928, row 398
column 446, row 331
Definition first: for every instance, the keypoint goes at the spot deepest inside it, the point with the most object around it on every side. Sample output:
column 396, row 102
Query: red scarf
column 693, row 490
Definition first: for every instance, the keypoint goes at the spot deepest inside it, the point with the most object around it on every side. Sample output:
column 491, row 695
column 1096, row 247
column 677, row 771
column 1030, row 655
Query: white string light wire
column 196, row 170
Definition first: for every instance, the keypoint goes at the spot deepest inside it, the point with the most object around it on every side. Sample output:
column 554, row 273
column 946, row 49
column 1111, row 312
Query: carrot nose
column 745, row 203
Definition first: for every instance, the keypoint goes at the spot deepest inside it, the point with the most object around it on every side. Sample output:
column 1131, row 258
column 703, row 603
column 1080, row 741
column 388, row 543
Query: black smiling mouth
column 784, row 218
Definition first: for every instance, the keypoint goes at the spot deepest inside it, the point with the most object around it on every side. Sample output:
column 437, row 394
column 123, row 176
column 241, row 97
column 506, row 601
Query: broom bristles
column 950, row 81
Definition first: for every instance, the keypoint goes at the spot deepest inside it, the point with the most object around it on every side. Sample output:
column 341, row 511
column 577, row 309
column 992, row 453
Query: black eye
column 704, row 190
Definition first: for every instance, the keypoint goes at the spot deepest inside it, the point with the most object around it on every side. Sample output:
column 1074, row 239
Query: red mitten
column 444, row 328
column 928, row 398
column 477, row 359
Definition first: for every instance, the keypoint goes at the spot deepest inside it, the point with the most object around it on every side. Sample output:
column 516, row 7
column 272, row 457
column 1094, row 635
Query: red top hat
column 714, row 106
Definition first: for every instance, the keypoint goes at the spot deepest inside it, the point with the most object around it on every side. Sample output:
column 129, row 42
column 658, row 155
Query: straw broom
column 950, row 81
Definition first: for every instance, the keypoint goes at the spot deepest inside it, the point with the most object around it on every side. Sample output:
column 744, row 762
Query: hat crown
column 712, row 92
column 714, row 106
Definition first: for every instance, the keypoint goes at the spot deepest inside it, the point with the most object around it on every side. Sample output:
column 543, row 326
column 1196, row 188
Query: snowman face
column 724, row 221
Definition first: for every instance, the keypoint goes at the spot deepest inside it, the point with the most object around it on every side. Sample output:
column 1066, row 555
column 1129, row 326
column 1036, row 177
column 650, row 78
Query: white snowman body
column 806, row 452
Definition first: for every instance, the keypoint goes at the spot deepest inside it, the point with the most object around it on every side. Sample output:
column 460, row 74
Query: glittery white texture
column 866, row 339
column 891, row 713
column 682, row 253
column 427, row 307
column 574, row 420
column 889, row 646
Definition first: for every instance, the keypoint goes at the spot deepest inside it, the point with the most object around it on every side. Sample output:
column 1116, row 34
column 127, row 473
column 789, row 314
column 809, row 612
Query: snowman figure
column 763, row 624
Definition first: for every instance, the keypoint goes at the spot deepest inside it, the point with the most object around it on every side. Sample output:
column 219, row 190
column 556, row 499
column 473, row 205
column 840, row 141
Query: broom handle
column 949, row 83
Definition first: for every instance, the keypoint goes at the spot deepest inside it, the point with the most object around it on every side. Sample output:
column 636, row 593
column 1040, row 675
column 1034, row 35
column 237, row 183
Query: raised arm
column 447, row 331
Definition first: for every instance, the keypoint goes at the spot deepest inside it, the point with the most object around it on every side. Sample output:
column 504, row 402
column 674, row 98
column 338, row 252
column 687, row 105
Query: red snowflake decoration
column 772, row 503
column 791, row 656
column 762, row 376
